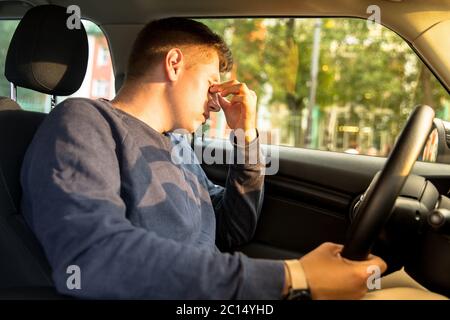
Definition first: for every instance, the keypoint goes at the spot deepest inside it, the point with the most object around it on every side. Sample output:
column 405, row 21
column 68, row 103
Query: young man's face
column 191, row 91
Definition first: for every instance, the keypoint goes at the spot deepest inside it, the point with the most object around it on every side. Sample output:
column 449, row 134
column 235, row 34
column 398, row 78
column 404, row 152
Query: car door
column 327, row 151
column 308, row 201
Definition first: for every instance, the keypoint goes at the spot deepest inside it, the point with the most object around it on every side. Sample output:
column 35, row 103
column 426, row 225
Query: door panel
column 308, row 201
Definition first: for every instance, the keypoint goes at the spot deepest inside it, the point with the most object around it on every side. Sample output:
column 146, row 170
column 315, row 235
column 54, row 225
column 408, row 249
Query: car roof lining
column 409, row 18
column 400, row 16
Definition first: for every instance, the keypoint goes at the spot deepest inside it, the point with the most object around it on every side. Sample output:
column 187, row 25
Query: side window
column 335, row 84
column 98, row 82
column 7, row 28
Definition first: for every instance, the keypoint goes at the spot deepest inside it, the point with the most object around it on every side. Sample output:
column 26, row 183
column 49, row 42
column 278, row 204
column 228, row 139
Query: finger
column 224, row 102
column 332, row 249
column 331, row 244
column 238, row 88
column 220, row 86
column 373, row 261
column 378, row 262
column 235, row 102
column 214, row 98
column 238, row 98
column 213, row 106
column 335, row 248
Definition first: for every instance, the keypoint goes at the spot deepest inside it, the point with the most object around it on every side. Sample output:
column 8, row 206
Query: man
column 102, row 193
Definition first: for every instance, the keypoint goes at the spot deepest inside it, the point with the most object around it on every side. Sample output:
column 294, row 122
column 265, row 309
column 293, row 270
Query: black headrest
column 120, row 78
column 45, row 55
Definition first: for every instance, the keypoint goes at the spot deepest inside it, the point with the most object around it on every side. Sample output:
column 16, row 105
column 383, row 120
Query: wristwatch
column 298, row 285
column 298, row 294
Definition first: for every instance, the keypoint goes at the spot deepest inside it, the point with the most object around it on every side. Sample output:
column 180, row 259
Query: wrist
column 287, row 281
column 245, row 135
column 296, row 274
column 296, row 285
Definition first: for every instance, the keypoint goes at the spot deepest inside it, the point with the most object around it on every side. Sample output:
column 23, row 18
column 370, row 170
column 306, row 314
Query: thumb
column 224, row 102
column 375, row 260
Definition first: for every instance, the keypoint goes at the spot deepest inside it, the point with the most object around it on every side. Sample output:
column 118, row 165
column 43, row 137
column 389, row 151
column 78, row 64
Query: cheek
column 192, row 91
column 201, row 97
column 195, row 93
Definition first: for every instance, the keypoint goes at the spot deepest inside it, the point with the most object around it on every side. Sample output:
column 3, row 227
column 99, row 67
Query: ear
column 174, row 63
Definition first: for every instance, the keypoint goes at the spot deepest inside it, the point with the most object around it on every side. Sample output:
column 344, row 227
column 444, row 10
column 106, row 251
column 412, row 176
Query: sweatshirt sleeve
column 71, row 182
column 238, row 205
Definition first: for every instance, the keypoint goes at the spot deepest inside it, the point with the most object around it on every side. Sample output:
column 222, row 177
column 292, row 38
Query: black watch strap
column 299, row 294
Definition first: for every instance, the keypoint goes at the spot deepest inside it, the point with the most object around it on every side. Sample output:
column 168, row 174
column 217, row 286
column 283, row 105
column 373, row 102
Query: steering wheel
column 378, row 201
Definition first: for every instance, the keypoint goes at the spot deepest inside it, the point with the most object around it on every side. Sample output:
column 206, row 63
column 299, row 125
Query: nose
column 213, row 102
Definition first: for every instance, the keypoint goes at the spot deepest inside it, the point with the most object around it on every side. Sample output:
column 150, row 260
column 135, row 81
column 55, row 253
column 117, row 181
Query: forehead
column 205, row 60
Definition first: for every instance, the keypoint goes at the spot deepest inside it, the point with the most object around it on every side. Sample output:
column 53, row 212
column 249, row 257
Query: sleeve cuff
column 263, row 279
column 246, row 153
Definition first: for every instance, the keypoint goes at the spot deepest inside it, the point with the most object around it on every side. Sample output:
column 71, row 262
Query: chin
column 192, row 128
column 197, row 125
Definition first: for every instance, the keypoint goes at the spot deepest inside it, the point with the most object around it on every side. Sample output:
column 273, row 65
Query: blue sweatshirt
column 101, row 191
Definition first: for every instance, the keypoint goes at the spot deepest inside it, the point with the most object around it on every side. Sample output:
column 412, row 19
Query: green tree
column 7, row 28
column 367, row 70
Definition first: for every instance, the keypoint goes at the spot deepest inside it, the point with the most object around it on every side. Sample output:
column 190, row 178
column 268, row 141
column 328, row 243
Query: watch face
column 303, row 294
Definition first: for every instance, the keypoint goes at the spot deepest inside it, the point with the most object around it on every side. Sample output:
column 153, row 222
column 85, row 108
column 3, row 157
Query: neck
column 147, row 102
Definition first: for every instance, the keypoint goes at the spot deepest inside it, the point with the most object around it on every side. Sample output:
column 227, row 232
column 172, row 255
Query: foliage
column 365, row 69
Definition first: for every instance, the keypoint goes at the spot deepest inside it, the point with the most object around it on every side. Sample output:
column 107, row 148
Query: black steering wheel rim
column 379, row 198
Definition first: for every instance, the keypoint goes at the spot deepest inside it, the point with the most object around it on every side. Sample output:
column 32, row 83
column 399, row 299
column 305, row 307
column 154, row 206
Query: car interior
column 395, row 207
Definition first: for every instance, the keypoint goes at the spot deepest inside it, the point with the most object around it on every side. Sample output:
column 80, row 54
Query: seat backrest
column 8, row 104
column 22, row 262
column 46, row 56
